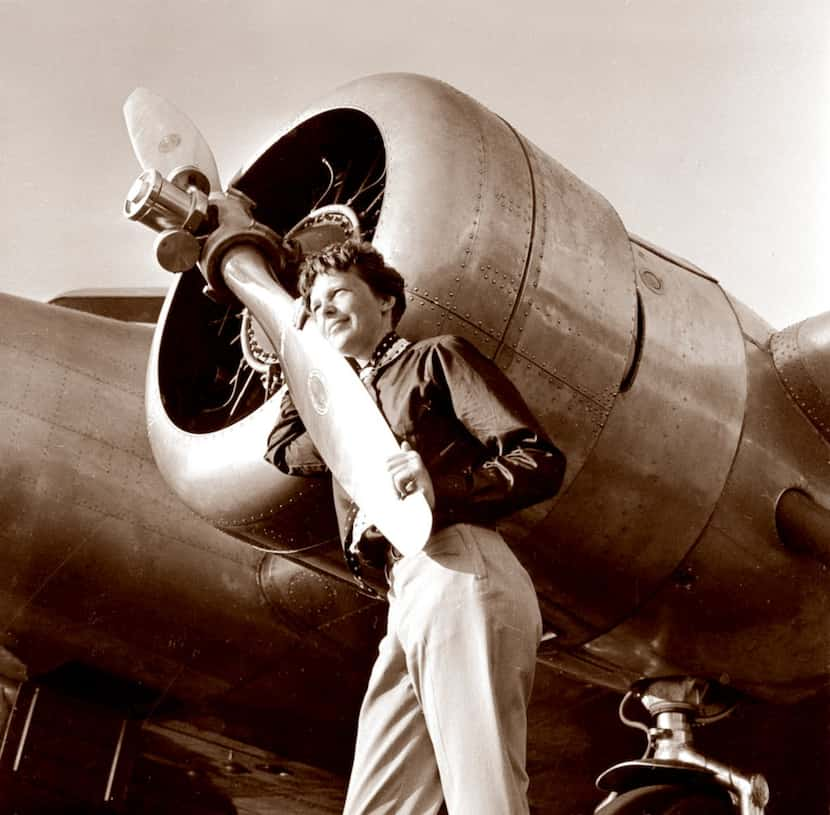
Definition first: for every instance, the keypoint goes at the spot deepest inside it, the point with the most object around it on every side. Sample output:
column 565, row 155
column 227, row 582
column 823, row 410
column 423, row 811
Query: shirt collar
column 388, row 349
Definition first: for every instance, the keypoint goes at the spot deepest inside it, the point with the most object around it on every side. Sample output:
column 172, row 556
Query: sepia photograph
column 415, row 409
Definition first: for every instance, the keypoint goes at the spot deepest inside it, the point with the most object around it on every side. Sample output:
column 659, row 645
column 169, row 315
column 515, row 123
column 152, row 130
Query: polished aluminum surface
column 648, row 489
column 742, row 607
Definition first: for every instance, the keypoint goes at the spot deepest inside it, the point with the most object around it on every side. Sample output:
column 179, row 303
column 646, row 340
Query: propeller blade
column 344, row 422
column 352, row 436
column 164, row 139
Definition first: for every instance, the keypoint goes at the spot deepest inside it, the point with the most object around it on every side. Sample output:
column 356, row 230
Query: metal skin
column 660, row 557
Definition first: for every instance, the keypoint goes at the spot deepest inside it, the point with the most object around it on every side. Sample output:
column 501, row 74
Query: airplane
column 182, row 633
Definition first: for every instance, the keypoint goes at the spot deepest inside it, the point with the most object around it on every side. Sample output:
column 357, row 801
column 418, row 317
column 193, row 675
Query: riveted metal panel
column 741, row 607
column 814, row 343
column 657, row 470
column 571, row 336
column 422, row 314
column 83, row 505
column 802, row 358
column 457, row 210
column 578, row 303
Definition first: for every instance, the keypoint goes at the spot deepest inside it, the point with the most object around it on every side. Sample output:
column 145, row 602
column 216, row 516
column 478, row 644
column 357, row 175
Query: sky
column 706, row 124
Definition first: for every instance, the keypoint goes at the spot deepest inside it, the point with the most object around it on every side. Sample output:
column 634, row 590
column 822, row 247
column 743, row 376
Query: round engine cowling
column 465, row 209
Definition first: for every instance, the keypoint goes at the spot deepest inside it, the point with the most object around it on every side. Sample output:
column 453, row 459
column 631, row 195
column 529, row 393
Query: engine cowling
column 465, row 208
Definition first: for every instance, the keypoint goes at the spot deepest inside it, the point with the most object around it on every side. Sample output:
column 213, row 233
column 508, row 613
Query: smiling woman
column 354, row 298
column 470, row 446
column 339, row 304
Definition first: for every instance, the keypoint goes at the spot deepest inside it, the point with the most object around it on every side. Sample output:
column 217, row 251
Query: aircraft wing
column 128, row 305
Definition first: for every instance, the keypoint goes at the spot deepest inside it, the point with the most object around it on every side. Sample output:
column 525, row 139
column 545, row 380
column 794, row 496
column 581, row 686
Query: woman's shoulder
column 447, row 342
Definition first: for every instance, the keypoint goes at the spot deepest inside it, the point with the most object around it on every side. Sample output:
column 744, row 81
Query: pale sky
column 706, row 125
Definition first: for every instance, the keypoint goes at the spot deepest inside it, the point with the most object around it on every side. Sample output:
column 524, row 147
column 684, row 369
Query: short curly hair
column 367, row 263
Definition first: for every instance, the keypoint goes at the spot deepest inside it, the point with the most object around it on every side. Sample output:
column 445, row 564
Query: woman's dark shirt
column 483, row 448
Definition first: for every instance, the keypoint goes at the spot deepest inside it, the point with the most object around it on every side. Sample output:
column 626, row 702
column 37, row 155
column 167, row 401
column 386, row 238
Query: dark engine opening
column 206, row 382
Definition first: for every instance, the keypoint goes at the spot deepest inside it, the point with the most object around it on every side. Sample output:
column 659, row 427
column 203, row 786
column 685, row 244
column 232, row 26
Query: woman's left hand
column 409, row 474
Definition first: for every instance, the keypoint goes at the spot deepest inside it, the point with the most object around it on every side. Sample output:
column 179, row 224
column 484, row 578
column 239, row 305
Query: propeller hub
column 162, row 204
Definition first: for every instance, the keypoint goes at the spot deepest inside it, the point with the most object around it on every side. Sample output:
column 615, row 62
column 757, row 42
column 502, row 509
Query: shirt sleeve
column 290, row 447
column 520, row 465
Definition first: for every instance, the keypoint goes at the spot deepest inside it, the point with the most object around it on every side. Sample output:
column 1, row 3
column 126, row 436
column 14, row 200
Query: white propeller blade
column 164, row 139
